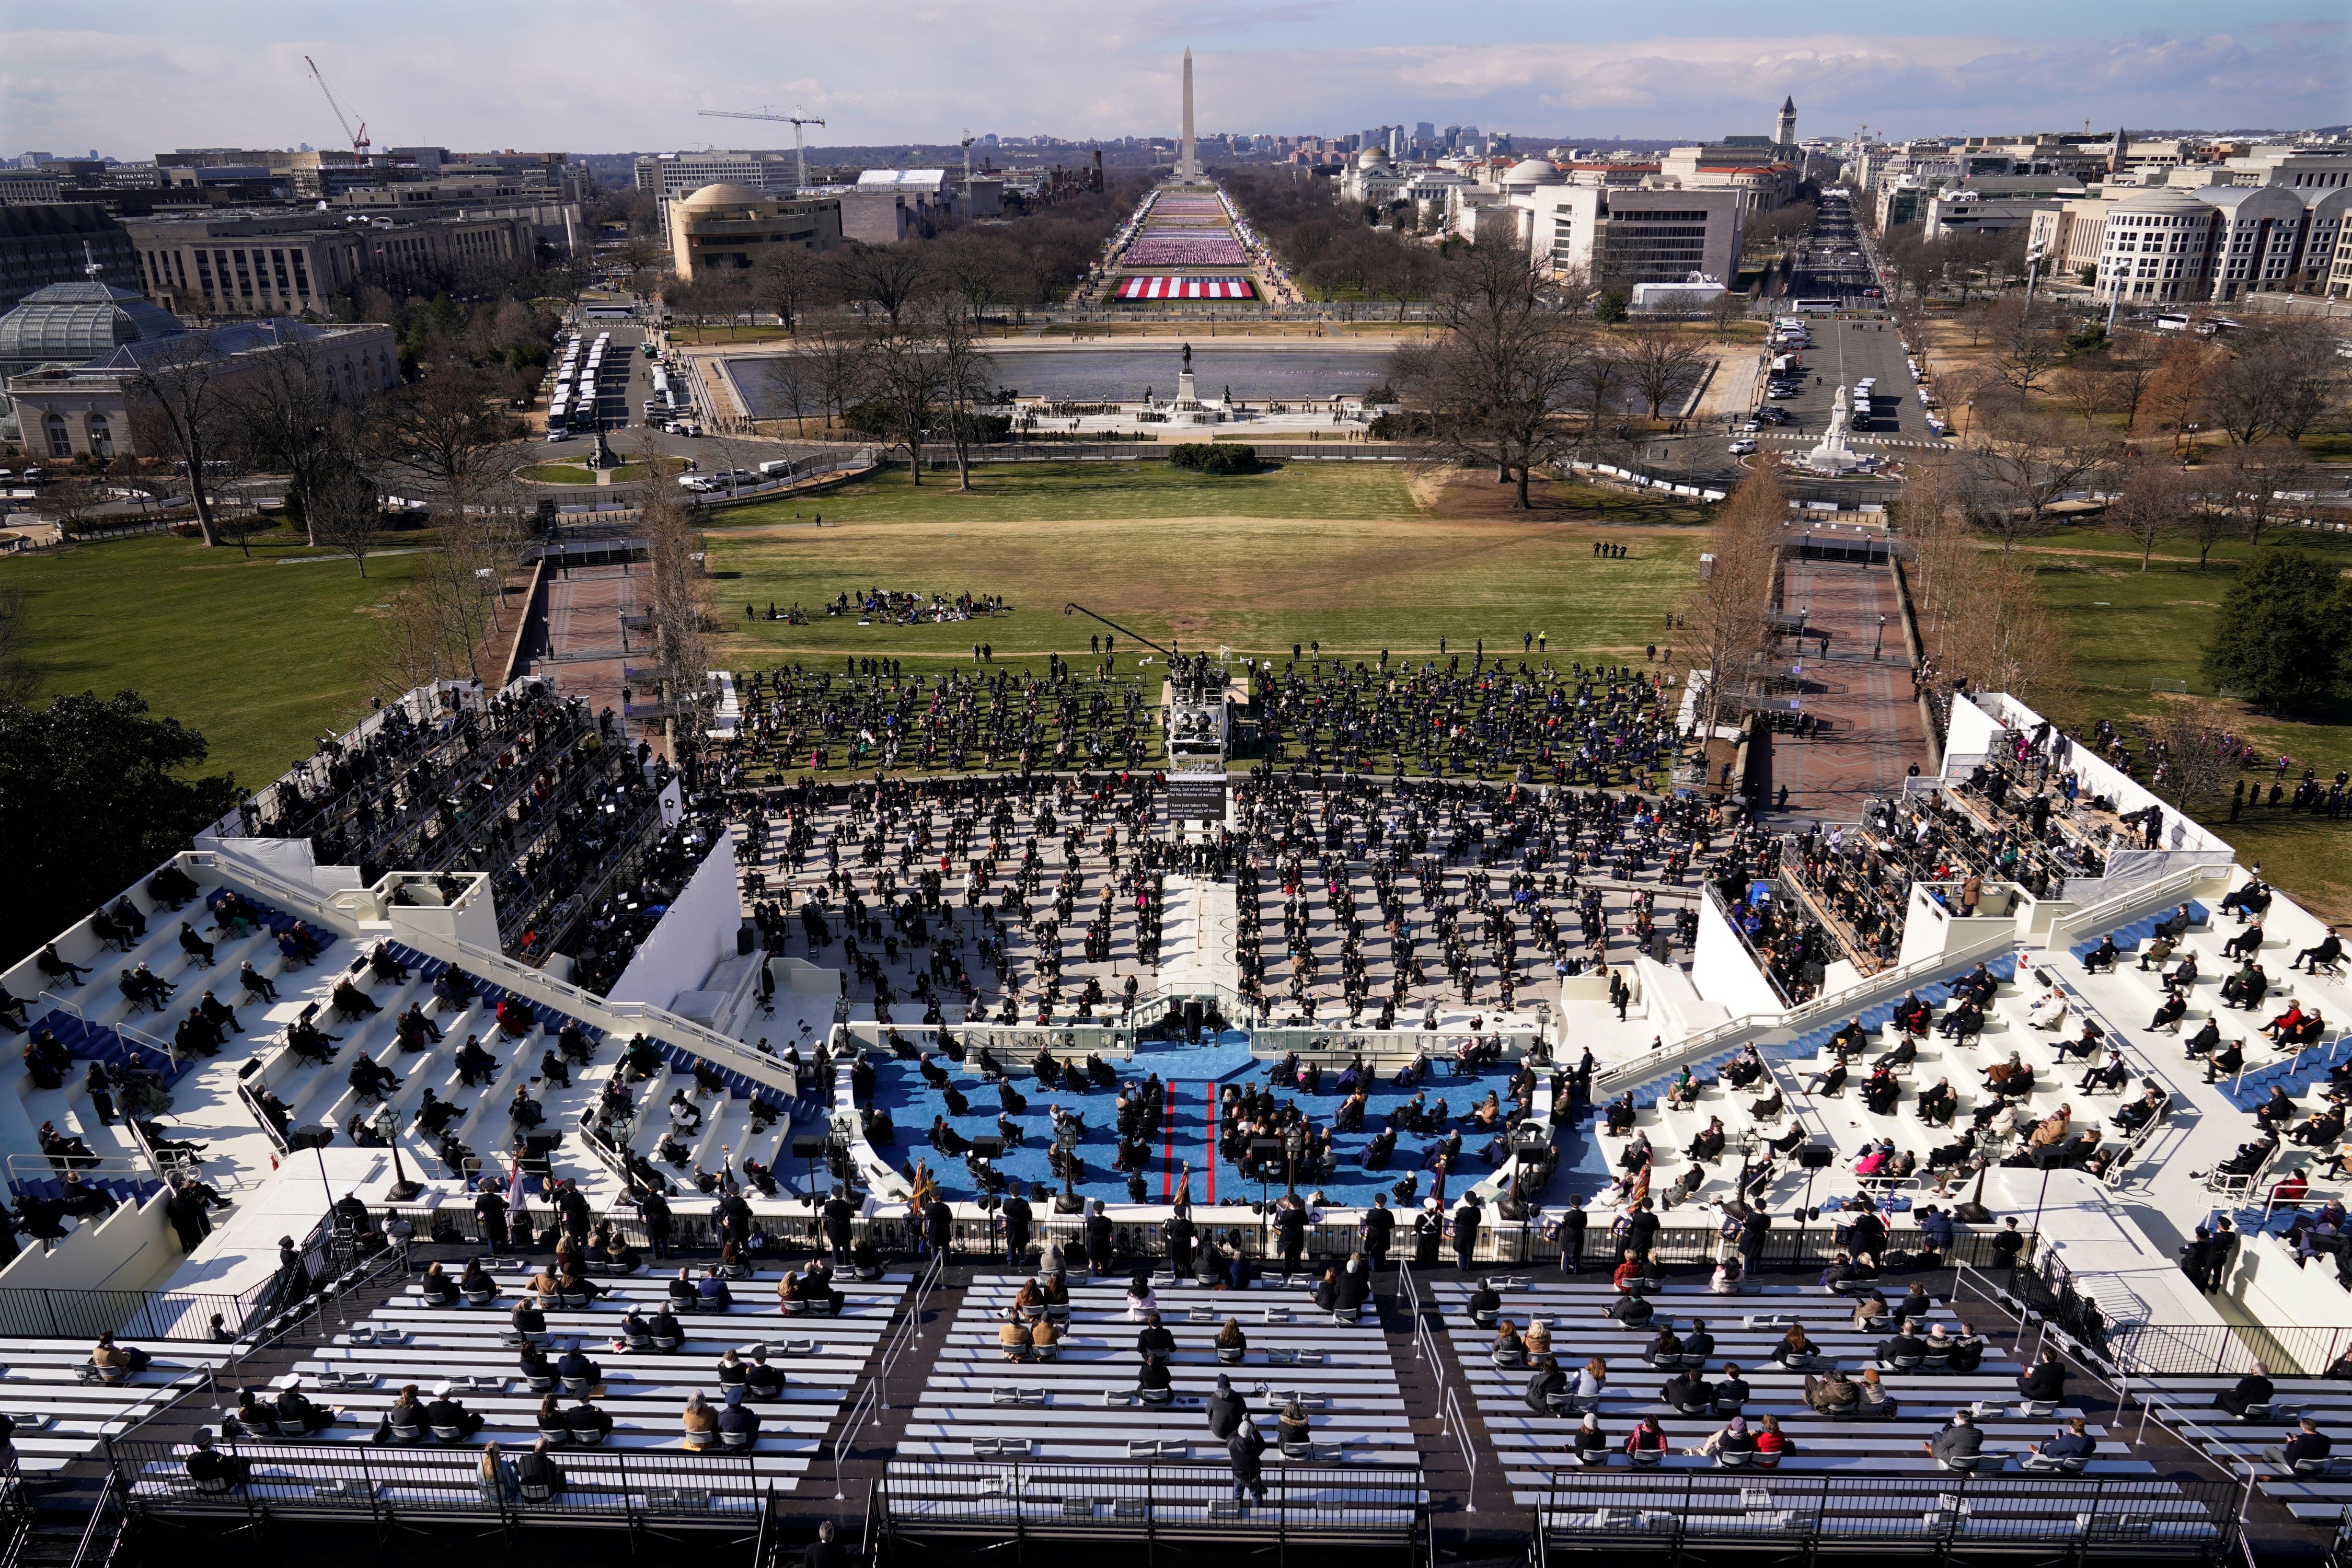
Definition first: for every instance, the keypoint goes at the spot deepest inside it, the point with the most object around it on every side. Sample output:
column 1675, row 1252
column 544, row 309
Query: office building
column 55, row 243
column 290, row 263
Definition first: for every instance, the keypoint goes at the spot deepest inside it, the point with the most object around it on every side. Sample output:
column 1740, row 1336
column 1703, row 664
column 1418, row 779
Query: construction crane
column 966, row 145
column 359, row 138
column 796, row 118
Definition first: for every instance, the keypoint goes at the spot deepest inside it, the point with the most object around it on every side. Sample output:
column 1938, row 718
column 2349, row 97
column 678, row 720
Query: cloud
column 613, row 74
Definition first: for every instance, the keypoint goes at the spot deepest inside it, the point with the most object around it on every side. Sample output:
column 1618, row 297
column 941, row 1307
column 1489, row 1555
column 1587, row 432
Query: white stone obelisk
column 1187, row 166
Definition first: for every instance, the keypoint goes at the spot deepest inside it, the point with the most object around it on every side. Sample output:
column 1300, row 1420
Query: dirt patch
column 1473, row 495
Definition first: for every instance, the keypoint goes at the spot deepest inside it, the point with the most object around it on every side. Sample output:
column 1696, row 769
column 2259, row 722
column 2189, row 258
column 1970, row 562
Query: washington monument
column 1187, row 166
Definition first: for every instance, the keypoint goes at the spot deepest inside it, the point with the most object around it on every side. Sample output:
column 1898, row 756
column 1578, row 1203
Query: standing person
column 1465, row 1231
column 1752, row 1231
column 655, row 1210
column 1017, row 1219
column 490, row 1219
column 938, row 1226
column 1378, row 1227
column 838, row 1216
column 1571, row 1234
column 1244, row 1448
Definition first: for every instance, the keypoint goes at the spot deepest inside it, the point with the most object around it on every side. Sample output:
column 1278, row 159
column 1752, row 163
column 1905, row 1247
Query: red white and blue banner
column 1161, row 286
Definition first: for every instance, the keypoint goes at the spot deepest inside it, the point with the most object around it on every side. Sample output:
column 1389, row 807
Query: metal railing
column 1456, row 1425
column 1016, row 1500
column 715, row 1489
column 1733, row 1033
column 875, row 1395
column 36, row 1311
column 1665, row 1509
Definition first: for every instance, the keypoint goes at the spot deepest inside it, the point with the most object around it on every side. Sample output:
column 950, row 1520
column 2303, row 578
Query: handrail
column 1738, row 1030
column 876, row 1392
column 2077, row 921
column 268, row 881
column 109, row 1502
column 1452, row 1421
column 618, row 1016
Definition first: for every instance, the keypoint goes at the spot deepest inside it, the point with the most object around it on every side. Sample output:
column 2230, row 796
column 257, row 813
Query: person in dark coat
column 939, row 1227
column 1017, row 1221
column 187, row 1210
column 1244, row 1448
column 1226, row 1410
column 1098, row 1233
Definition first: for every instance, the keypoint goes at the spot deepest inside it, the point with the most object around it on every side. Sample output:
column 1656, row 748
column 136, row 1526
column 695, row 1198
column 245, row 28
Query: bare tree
column 840, row 366
column 2184, row 738
column 909, row 380
column 73, row 501
column 285, row 416
column 2177, row 391
column 2086, row 386
column 2211, row 493
column 2025, row 462
column 2263, row 481
column 2024, row 351
column 1492, row 385
column 2149, row 507
column 677, row 603
column 792, row 384
column 966, row 375
column 791, row 279
column 346, row 513
column 446, row 432
column 179, row 402
column 1727, row 604
column 887, row 277
column 2131, row 366
column 1662, row 363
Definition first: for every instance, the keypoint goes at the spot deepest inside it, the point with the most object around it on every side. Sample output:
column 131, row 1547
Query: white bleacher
column 643, row 1391
column 60, row 1406
column 1081, row 1406
column 1745, row 1327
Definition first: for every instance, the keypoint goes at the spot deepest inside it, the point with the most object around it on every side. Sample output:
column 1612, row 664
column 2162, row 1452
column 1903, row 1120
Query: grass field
column 2127, row 628
column 1340, row 555
column 260, row 657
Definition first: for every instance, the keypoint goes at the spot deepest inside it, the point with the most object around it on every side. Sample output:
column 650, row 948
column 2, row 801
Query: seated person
column 1731, row 1445
column 293, row 1408
column 1547, row 1390
column 1831, row 1393
column 1937, row 1106
column 2253, row 1389
column 2102, row 957
column 2045, row 1380
column 1731, row 1391
column 1152, row 1386
column 739, row 1424
column 2073, row 1442
column 447, row 1415
column 2308, row 1444
column 1688, row 1392
column 589, row 1424
column 762, row 1381
column 1958, row 1445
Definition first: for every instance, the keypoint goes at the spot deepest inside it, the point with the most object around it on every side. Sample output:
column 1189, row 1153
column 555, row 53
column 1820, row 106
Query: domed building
column 68, row 325
column 1527, row 174
column 729, row 227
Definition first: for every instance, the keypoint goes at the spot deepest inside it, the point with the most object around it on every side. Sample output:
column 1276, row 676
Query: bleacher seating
column 1081, row 1406
column 1745, row 1327
column 408, row 1340
column 59, row 1403
column 2320, row 1492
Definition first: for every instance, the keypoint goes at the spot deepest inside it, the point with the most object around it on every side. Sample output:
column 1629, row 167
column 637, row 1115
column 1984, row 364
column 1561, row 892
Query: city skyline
column 124, row 88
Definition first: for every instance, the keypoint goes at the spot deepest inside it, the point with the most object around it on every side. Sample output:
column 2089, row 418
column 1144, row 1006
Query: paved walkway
column 1874, row 730
column 586, row 649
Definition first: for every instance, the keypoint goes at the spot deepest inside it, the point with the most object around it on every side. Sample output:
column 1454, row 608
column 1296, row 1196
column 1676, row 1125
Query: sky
column 134, row 77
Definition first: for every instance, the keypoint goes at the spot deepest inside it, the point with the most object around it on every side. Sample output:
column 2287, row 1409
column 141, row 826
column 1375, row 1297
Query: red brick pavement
column 1874, row 728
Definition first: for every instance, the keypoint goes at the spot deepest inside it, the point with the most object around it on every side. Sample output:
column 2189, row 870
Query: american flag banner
column 1161, row 286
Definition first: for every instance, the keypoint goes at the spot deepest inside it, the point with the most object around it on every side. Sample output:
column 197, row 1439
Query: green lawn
column 259, row 657
column 1202, row 565
column 2127, row 628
